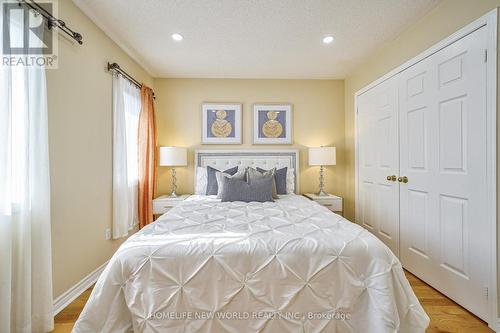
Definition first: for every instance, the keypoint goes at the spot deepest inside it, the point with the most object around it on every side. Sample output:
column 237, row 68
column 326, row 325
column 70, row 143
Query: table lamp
column 322, row 156
column 173, row 156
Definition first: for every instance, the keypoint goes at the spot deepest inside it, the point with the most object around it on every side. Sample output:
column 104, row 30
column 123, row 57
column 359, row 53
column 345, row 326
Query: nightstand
column 332, row 202
column 164, row 203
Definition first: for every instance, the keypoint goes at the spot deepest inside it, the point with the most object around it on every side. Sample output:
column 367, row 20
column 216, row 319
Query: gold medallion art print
column 272, row 128
column 221, row 128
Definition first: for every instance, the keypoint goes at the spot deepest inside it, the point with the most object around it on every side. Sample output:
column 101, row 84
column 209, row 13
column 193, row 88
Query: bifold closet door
column 378, row 159
column 443, row 221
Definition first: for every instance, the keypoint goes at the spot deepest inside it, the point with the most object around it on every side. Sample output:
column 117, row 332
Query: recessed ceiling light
column 328, row 39
column 177, row 37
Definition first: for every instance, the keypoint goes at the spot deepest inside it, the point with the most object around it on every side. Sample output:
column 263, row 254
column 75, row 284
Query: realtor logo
column 28, row 39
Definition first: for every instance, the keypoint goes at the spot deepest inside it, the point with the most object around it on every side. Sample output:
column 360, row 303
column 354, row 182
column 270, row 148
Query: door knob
column 391, row 178
column 403, row 179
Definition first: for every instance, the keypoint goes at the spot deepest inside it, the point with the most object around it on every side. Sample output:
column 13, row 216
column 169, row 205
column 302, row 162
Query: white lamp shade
column 173, row 156
column 322, row 156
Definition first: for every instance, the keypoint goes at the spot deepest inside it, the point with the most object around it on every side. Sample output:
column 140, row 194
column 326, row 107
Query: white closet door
column 378, row 158
column 444, row 228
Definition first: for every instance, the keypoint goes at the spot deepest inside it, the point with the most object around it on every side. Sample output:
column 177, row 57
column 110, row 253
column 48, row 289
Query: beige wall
column 442, row 21
column 80, row 133
column 318, row 119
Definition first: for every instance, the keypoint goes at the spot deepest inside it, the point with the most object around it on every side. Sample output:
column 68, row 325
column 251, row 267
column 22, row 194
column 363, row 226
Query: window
column 18, row 117
column 126, row 110
column 132, row 111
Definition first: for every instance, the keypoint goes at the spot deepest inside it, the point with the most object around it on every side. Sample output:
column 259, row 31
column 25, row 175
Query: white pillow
column 290, row 181
column 200, row 187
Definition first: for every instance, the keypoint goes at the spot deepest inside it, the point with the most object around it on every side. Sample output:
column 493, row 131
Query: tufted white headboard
column 262, row 158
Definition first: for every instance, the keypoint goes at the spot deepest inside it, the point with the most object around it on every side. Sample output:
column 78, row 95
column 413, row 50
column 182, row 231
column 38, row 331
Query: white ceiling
column 252, row 38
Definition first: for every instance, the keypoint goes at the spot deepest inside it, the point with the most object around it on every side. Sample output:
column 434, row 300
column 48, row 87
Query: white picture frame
column 221, row 127
column 272, row 124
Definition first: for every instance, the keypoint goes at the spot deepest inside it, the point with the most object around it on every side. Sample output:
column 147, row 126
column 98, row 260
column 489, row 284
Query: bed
column 284, row 266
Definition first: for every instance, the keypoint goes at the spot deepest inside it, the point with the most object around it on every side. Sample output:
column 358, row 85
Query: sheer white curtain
column 126, row 110
column 26, row 303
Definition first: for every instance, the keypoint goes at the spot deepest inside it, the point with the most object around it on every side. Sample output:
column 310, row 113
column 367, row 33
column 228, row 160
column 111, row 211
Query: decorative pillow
column 280, row 179
column 201, row 181
column 259, row 173
column 212, row 187
column 260, row 190
column 290, row 181
column 241, row 174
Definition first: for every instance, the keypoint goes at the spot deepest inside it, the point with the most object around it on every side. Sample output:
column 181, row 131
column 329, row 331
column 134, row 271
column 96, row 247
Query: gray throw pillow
column 259, row 190
column 280, row 179
column 257, row 174
column 219, row 175
column 212, row 187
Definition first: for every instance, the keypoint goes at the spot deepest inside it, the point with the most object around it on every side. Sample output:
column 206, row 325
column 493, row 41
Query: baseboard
column 72, row 293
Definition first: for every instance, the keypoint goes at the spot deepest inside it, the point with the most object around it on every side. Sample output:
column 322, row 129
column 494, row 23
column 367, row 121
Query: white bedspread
column 288, row 266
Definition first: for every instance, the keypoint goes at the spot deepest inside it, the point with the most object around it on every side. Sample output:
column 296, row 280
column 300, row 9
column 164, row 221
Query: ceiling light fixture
column 328, row 39
column 177, row 37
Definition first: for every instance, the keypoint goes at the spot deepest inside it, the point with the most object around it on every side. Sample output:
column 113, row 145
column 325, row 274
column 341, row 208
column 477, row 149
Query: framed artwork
column 221, row 123
column 272, row 124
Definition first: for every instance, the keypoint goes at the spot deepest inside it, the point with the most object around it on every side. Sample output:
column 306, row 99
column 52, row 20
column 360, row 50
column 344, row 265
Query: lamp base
column 321, row 193
column 174, row 184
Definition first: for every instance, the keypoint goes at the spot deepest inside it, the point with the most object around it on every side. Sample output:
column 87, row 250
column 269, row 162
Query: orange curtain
column 147, row 157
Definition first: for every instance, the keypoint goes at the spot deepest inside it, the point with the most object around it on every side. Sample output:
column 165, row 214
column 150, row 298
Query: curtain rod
column 115, row 67
column 52, row 21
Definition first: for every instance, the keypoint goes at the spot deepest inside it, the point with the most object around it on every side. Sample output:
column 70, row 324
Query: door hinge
column 486, row 293
column 485, row 55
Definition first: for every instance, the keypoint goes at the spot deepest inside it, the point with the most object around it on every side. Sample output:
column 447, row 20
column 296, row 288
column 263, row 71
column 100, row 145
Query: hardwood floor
column 446, row 315
column 64, row 321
